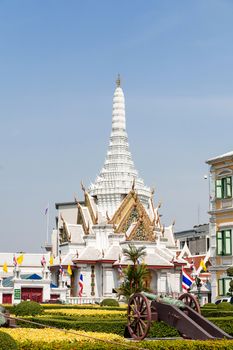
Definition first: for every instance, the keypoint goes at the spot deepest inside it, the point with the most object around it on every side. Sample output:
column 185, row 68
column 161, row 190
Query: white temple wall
column 153, row 284
column 108, row 281
column 98, row 280
column 163, row 283
column 177, row 286
column 101, row 238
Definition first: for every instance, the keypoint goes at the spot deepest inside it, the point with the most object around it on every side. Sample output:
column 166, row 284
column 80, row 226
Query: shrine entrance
column 33, row 294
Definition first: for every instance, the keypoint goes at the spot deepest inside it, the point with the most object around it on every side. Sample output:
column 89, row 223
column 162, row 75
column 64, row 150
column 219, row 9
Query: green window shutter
column 228, row 187
column 227, row 242
column 226, row 285
column 220, row 287
column 218, row 189
column 219, row 243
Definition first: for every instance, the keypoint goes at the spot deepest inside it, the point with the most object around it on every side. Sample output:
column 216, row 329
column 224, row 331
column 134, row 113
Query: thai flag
column 80, row 283
column 187, row 281
column 15, row 261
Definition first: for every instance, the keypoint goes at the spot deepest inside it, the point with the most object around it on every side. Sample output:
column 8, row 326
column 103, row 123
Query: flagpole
column 47, row 225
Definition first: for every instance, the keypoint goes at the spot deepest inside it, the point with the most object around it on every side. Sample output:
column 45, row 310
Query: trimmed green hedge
column 150, row 345
column 7, row 342
column 11, row 308
column 211, row 305
column 225, row 323
column 216, row 313
column 28, row 308
column 157, row 330
column 109, row 302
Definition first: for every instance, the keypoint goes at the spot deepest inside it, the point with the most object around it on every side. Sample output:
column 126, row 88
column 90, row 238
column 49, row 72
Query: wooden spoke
column 191, row 301
column 139, row 316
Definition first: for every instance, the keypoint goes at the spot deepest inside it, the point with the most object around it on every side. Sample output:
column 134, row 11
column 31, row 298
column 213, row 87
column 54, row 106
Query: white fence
column 83, row 300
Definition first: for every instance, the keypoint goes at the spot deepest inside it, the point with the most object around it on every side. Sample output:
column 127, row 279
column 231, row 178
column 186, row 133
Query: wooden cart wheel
column 191, row 301
column 139, row 316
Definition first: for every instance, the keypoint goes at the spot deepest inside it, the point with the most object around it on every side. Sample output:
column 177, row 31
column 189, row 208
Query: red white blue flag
column 187, row 281
column 80, row 283
column 15, row 263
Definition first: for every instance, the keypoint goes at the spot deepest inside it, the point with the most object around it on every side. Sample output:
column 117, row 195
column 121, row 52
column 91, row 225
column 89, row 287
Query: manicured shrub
column 28, row 308
column 216, row 313
column 225, row 306
column 210, row 305
column 109, row 302
column 7, row 342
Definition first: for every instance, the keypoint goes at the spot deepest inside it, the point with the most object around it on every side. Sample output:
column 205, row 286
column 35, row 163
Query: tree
column 136, row 272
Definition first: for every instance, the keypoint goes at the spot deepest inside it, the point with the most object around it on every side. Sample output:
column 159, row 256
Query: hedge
column 7, row 342
column 157, row 330
column 28, row 308
column 225, row 323
column 11, row 308
column 216, row 313
column 150, row 345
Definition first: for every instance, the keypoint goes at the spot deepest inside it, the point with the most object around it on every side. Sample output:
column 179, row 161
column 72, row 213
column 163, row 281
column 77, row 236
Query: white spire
column 116, row 177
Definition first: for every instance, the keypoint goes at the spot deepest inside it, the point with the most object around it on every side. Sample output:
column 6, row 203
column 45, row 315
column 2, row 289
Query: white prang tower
column 118, row 173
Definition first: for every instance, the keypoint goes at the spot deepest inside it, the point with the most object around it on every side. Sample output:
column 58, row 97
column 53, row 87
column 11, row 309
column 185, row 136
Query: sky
column 58, row 65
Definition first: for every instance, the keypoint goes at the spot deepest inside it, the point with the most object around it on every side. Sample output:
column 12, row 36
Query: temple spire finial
column 118, row 81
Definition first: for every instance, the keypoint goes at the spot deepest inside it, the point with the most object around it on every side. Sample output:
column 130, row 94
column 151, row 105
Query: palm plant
column 136, row 273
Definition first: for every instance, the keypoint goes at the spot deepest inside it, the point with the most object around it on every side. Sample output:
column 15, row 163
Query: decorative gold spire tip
column 118, row 81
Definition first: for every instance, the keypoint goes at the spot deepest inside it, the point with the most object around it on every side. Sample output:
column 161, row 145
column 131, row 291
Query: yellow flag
column 20, row 259
column 5, row 267
column 69, row 270
column 202, row 264
column 51, row 260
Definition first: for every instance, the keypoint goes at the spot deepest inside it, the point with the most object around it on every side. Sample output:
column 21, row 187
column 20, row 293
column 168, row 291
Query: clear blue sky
column 58, row 64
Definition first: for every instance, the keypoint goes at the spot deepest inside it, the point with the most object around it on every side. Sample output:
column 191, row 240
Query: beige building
column 221, row 221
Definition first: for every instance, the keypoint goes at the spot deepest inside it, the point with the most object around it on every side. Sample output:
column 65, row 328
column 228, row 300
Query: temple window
column 224, row 242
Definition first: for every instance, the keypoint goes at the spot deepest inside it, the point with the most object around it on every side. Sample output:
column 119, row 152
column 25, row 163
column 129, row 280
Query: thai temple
column 117, row 210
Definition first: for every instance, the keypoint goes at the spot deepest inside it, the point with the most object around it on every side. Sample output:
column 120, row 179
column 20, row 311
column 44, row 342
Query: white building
column 27, row 280
column 117, row 209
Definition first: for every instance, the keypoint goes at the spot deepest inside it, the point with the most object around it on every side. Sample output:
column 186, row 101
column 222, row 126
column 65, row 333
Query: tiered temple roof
column 118, row 173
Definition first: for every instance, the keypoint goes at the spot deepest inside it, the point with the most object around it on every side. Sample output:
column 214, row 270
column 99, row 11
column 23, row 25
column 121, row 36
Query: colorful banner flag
column 187, row 281
column 5, row 267
column 69, row 270
column 15, row 261
column 202, row 265
column 43, row 261
column 61, row 270
column 20, row 259
column 80, row 283
column 51, row 259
